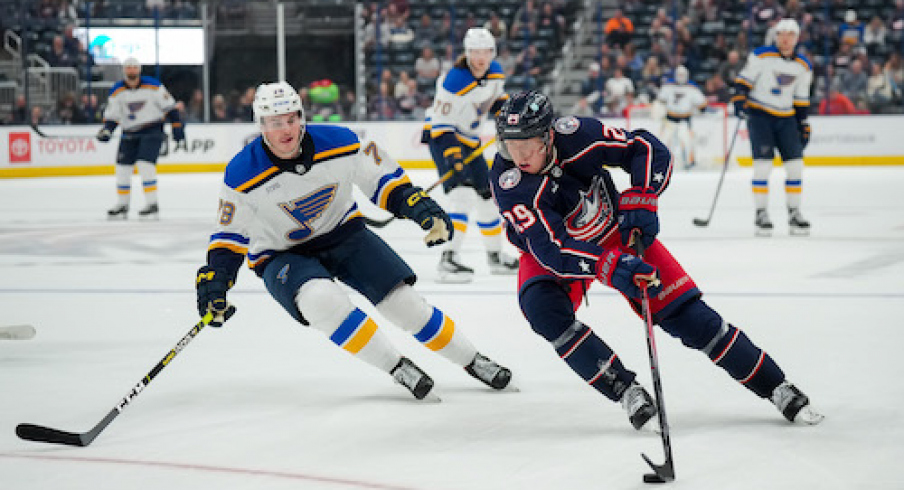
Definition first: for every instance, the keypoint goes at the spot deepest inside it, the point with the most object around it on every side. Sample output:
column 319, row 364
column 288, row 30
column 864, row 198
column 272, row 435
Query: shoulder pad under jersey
column 332, row 141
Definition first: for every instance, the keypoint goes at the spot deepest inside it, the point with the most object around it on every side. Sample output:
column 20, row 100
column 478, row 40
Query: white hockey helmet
column 681, row 74
column 787, row 25
column 479, row 38
column 131, row 61
column 273, row 99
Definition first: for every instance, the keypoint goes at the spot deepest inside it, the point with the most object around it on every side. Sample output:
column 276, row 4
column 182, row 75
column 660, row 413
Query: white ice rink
column 264, row 403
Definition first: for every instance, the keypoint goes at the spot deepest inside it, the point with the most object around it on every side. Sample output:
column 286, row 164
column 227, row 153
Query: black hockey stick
column 664, row 472
column 712, row 209
column 40, row 433
column 37, row 130
column 446, row 176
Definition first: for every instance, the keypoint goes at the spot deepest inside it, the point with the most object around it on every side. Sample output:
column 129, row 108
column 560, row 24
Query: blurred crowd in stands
column 855, row 47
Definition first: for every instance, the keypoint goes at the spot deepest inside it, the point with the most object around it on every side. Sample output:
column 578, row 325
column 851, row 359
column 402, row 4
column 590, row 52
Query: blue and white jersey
column 563, row 217
column 461, row 100
column 681, row 100
column 137, row 108
column 774, row 84
column 267, row 207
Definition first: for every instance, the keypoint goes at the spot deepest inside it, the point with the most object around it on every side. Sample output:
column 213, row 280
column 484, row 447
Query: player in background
column 773, row 92
column 562, row 209
column 470, row 90
column 139, row 104
column 287, row 205
column 681, row 99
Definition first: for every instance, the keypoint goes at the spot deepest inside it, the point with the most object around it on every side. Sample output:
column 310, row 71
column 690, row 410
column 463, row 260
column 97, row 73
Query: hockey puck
column 652, row 478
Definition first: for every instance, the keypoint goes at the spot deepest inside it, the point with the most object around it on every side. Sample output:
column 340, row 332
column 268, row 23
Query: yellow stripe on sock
column 444, row 336
column 361, row 337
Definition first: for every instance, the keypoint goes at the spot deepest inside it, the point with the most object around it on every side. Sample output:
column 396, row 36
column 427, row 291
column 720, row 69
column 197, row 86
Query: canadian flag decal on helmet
column 513, row 119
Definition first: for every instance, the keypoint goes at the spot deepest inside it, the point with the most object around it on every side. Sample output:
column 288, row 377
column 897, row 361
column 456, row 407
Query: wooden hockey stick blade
column 17, row 332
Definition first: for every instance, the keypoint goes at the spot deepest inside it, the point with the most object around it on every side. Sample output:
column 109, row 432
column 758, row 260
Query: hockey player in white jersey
column 682, row 100
column 774, row 89
column 287, row 205
column 473, row 88
column 139, row 104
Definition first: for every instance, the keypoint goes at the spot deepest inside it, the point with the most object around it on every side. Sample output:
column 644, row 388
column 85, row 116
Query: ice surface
column 264, row 403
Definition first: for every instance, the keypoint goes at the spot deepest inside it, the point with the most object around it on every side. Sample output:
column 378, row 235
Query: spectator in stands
column 836, row 104
column 529, row 66
column 506, row 60
column 851, row 31
column 880, row 90
column 91, row 111
column 400, row 35
column 843, row 57
column 376, row 29
column 423, row 33
column 592, row 88
column 58, row 56
column 194, row 110
column 426, row 67
column 896, row 22
column 634, row 60
column 400, row 9
column 874, row 35
column 619, row 93
column 730, row 68
column 383, row 106
column 244, row 111
column 20, row 111
column 619, row 29
column 651, row 75
column 46, row 9
column 497, row 27
column 716, row 90
column 68, row 111
column 218, row 109
column 407, row 98
column 37, row 117
column 445, row 32
column 526, row 19
column 894, row 67
column 400, row 88
column 550, row 20
column 70, row 43
column 448, row 60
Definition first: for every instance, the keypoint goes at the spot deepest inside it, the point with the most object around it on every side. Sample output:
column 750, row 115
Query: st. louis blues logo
column 135, row 106
column 784, row 79
column 308, row 208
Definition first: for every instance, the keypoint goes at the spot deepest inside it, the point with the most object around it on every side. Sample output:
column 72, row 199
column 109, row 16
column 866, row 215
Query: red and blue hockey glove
column 637, row 214
column 804, row 134
column 626, row 273
column 420, row 208
column 211, row 285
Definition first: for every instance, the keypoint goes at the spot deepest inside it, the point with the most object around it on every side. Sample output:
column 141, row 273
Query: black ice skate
column 502, row 264
column 490, row 373
column 763, row 223
column 152, row 211
column 407, row 374
column 794, row 405
column 798, row 225
column 118, row 213
column 639, row 405
column 453, row 271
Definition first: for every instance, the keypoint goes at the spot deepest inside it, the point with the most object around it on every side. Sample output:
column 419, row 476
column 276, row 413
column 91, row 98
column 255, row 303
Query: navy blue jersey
column 564, row 216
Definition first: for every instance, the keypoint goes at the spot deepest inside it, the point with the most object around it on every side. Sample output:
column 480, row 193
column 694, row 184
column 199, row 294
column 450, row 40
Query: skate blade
column 154, row 217
column 763, row 233
column 456, row 279
column 431, row 398
column 799, row 232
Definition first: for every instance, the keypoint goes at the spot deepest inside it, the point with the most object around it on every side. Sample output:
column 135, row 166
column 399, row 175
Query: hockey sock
column 359, row 335
column 490, row 224
column 548, row 308
column 123, row 183
column 327, row 308
column 148, row 173
column 588, row 356
column 430, row 326
column 761, row 171
column 461, row 201
column 700, row 327
column 794, row 170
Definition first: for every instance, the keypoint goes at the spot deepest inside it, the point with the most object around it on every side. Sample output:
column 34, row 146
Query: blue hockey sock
column 748, row 364
column 588, row 356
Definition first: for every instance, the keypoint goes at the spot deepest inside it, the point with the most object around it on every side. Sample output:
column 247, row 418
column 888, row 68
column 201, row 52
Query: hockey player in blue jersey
column 140, row 105
column 552, row 184
column 286, row 205
column 473, row 88
column 773, row 88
